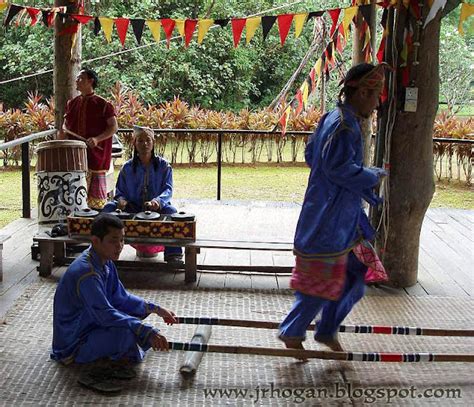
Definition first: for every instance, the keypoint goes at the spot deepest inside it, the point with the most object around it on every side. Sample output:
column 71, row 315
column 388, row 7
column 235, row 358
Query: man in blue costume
column 146, row 183
column 95, row 319
column 328, row 277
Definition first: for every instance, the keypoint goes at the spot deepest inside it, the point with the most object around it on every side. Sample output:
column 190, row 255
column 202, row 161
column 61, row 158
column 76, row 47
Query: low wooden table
column 53, row 252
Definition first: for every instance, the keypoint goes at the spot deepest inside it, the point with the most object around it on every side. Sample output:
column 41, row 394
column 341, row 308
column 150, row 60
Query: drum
column 61, row 173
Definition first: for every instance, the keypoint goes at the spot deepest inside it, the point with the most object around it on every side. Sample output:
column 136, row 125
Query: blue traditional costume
column 138, row 184
column 327, row 275
column 95, row 317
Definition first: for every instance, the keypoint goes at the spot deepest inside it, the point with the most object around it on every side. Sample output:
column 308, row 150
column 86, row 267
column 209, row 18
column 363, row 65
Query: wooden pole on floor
column 193, row 359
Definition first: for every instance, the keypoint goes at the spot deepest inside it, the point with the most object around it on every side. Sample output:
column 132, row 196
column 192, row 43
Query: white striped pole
column 359, row 329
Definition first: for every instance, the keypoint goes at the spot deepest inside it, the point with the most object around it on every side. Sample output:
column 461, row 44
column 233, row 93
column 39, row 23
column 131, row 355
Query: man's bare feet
column 332, row 342
column 294, row 344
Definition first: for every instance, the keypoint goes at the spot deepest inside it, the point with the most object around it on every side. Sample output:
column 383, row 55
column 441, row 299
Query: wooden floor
column 445, row 261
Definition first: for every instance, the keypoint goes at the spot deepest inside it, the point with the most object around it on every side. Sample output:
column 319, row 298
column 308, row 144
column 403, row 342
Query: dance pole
column 193, row 359
column 327, row 355
column 356, row 329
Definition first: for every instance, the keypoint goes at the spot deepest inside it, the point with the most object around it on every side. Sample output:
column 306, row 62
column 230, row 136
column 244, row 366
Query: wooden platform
column 446, row 254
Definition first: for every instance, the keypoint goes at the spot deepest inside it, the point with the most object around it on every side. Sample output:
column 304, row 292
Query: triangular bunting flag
column 222, row 22
column 97, row 26
column 312, row 76
column 238, row 25
column 121, row 24
column 107, row 25
column 168, row 27
column 284, row 120
column 334, row 17
column 45, row 17
column 305, row 93
column 50, row 18
column 267, row 24
column 33, row 13
column 3, row 6
column 284, row 24
column 189, row 27
column 315, row 14
column 12, row 12
column 179, row 24
column 251, row 26
column 467, row 10
column 300, row 19
column 435, row 7
column 138, row 25
column 366, row 11
column 81, row 18
column 299, row 102
column 154, row 26
column 70, row 30
column 203, row 28
column 349, row 14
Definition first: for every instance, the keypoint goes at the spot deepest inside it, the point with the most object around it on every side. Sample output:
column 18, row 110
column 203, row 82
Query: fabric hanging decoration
column 312, row 76
column 189, row 27
column 203, row 27
column 3, row 6
column 154, row 26
column 97, row 26
column 348, row 16
column 267, row 24
column 300, row 20
column 238, row 25
column 168, row 26
column 107, row 25
column 179, row 24
column 381, row 50
column 251, row 26
column 12, row 12
column 435, row 7
column 467, row 10
column 33, row 13
column 81, row 18
column 284, row 120
column 334, row 17
column 366, row 11
column 315, row 14
column 299, row 102
column 122, row 26
column 138, row 24
column 284, row 25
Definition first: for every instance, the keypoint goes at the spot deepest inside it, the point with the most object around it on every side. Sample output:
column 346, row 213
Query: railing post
column 219, row 165
column 25, row 179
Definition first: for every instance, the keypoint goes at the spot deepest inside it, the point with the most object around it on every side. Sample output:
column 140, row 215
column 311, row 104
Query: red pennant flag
column 122, row 26
column 189, row 27
column 381, row 51
column 168, row 27
column 80, row 18
column 299, row 99
column 70, row 30
column 334, row 17
column 238, row 25
column 284, row 24
column 33, row 13
column 312, row 75
column 51, row 17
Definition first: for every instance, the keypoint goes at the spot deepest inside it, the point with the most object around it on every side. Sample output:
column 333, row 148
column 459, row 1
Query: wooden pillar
column 67, row 61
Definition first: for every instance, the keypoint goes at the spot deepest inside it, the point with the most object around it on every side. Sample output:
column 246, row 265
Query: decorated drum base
column 153, row 229
column 60, row 194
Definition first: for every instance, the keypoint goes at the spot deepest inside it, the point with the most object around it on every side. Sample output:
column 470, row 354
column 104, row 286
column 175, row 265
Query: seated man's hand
column 121, row 204
column 168, row 316
column 152, row 205
column 158, row 342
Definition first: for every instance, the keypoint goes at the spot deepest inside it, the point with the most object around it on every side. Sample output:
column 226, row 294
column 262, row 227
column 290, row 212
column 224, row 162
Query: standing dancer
column 328, row 276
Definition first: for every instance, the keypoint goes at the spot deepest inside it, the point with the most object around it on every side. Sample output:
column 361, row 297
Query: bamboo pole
column 193, row 359
column 326, row 355
column 361, row 329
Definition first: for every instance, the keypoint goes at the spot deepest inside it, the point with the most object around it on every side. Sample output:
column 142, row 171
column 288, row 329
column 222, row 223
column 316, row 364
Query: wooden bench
column 52, row 252
column 3, row 238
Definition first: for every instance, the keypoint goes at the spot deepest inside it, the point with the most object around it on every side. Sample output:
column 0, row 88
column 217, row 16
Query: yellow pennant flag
column 154, row 26
column 107, row 25
column 466, row 11
column 349, row 14
column 180, row 26
column 251, row 26
column 3, row 6
column 203, row 28
column 317, row 67
column 304, row 93
column 300, row 19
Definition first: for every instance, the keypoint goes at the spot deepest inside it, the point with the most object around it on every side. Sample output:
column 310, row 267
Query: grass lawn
column 253, row 183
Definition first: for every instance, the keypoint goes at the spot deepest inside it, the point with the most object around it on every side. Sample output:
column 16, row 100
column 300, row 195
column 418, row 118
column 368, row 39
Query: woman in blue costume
column 145, row 183
column 328, row 277
column 95, row 319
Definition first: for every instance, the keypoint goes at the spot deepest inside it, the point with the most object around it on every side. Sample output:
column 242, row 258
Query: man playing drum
column 92, row 119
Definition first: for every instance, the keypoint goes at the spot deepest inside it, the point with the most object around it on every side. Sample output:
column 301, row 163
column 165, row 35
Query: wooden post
column 67, row 60
column 193, row 359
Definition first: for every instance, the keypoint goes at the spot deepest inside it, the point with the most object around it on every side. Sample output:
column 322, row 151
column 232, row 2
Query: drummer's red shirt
column 87, row 116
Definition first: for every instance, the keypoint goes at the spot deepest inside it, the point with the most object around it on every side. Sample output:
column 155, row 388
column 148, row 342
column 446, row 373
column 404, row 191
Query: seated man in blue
column 146, row 183
column 329, row 277
column 95, row 319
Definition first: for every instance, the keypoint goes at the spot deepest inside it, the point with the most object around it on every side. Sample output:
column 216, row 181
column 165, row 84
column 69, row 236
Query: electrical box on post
column 411, row 99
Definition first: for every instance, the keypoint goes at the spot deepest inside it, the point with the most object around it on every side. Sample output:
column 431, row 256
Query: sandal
column 100, row 381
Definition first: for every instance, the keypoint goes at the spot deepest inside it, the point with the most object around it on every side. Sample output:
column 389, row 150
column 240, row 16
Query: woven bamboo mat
column 29, row 377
